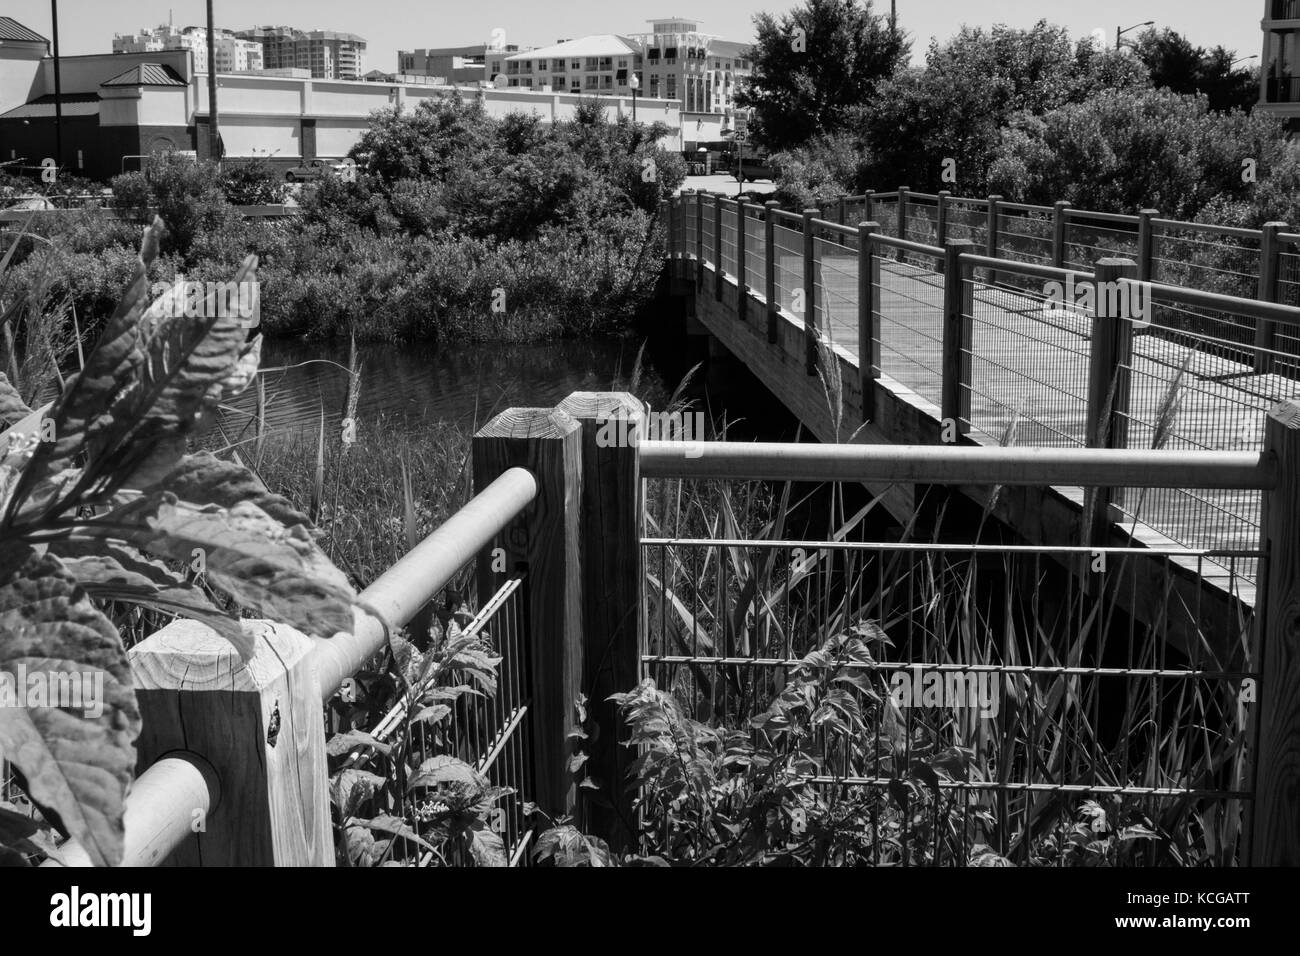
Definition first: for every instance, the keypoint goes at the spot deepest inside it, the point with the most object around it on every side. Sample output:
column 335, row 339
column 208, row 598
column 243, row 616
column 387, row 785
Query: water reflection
column 422, row 382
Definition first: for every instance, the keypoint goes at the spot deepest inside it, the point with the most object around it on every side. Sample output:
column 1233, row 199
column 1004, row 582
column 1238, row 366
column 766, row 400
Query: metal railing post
column 958, row 308
column 769, row 266
column 868, row 286
column 1270, row 262
column 810, row 289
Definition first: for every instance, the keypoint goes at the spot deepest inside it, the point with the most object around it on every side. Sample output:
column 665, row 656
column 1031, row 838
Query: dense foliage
column 457, row 224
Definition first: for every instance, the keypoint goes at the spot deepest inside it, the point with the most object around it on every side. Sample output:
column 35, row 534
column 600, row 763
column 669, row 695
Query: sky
column 87, row 26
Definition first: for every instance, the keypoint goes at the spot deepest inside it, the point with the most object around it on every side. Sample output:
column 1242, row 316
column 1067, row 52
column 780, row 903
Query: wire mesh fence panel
column 909, row 317
column 787, row 240
column 1025, row 235
column 836, row 280
column 708, row 255
column 729, row 238
column 885, row 212
column 922, row 223
column 1086, row 241
column 967, row 220
column 1210, row 260
column 950, row 704
column 1029, row 355
column 755, row 250
column 1195, row 388
column 468, row 696
column 1287, row 338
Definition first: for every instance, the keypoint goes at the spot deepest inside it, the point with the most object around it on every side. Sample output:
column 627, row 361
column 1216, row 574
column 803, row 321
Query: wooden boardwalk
column 1029, row 365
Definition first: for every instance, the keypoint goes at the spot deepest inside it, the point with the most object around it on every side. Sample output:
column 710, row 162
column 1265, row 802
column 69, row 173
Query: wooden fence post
column 1058, row 232
column 258, row 724
column 810, row 289
column 869, row 205
column 839, row 212
column 1270, row 261
column 613, row 423
column 958, row 309
column 991, row 239
column 717, row 248
column 1146, row 244
column 941, row 218
column 543, row 540
column 868, row 286
column 741, row 287
column 1110, row 358
column 1275, row 829
column 699, row 240
column 769, row 266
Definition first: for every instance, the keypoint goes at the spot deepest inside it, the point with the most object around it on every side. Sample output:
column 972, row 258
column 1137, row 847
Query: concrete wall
column 19, row 77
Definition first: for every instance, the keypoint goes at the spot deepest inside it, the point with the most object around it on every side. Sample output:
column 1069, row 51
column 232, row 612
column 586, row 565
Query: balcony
column 1286, row 10
column 1283, row 89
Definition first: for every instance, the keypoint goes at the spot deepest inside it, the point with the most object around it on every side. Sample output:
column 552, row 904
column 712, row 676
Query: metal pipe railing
column 960, row 465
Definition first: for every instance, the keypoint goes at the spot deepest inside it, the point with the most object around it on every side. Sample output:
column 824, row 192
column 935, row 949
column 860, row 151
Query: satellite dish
column 500, row 81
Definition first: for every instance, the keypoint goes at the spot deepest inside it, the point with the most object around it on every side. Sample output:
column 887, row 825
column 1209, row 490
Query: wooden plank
column 258, row 723
column 613, row 609
column 544, row 541
column 1276, row 825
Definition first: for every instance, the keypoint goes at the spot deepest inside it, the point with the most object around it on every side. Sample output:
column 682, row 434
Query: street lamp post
column 58, row 88
column 1243, row 59
column 636, row 85
column 1119, row 33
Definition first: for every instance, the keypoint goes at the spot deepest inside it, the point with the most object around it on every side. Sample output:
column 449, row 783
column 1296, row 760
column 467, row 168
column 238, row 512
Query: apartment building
column 327, row 54
column 1279, row 75
column 233, row 55
column 603, row 63
column 675, row 60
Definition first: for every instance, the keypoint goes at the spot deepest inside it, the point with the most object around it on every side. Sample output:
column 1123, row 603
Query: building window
column 573, row 65
column 558, row 66
column 606, row 63
column 622, row 63
column 593, row 63
column 592, row 81
column 672, row 88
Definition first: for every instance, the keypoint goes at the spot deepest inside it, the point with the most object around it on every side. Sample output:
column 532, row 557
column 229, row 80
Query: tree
column 1125, row 150
column 813, row 65
column 957, row 106
column 1177, row 65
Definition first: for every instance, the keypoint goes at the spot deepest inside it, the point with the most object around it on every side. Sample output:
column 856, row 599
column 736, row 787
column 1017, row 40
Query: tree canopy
column 813, row 65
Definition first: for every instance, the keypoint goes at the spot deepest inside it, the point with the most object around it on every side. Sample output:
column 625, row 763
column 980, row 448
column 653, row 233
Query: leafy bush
column 252, row 182
column 105, row 508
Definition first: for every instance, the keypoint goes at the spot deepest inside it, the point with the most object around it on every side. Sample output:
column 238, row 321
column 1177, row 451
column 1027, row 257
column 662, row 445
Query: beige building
column 1279, row 74
column 326, row 54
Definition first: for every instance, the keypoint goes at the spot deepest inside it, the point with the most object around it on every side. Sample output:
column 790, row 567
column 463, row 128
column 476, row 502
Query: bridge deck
column 1029, row 365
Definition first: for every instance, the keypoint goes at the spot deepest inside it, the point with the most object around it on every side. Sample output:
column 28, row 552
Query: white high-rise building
column 233, row 54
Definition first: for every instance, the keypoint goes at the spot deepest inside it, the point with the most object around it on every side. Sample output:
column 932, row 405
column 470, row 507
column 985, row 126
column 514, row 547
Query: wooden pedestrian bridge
column 1148, row 615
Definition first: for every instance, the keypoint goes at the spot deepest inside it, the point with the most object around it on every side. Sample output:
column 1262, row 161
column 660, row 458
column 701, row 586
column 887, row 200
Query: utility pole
column 214, row 132
column 58, row 88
